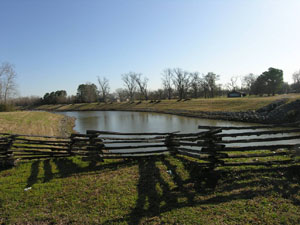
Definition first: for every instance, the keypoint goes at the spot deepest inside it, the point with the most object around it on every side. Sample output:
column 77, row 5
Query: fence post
column 211, row 146
column 171, row 143
column 9, row 159
column 72, row 142
column 95, row 147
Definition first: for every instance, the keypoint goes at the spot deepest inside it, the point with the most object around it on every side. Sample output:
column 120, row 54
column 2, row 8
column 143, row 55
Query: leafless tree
column 142, row 85
column 103, row 87
column 248, row 81
column 203, row 85
column 129, row 80
column 195, row 84
column 27, row 101
column 210, row 83
column 181, row 80
column 296, row 77
column 167, row 82
column 7, row 81
column 120, row 94
column 232, row 84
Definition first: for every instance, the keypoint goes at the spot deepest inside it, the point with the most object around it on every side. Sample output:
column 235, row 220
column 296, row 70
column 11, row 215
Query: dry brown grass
column 35, row 123
column 194, row 105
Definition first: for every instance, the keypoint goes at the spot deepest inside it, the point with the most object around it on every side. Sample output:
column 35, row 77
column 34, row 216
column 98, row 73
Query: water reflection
column 122, row 121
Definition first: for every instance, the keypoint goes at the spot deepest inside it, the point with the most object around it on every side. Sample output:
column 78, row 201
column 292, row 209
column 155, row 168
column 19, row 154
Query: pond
column 124, row 121
column 142, row 122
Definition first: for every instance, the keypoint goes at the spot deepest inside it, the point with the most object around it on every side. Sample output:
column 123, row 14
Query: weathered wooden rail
column 213, row 146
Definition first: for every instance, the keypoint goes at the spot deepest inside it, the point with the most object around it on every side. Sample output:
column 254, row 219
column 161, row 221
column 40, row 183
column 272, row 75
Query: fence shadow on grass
column 202, row 184
column 34, row 172
column 150, row 177
column 152, row 202
column 202, row 179
column 156, row 195
column 67, row 167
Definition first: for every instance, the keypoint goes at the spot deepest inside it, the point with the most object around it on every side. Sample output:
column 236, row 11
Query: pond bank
column 258, row 110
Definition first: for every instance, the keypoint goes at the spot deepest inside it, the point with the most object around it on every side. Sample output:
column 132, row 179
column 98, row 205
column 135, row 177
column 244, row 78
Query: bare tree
column 142, row 84
column 232, row 84
column 296, row 77
column 129, row 80
column 195, row 84
column 204, row 86
column 210, row 83
column 181, row 80
column 120, row 94
column 248, row 81
column 103, row 87
column 7, row 81
column 167, row 82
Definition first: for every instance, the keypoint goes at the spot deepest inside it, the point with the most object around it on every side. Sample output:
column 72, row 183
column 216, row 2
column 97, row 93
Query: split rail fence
column 212, row 146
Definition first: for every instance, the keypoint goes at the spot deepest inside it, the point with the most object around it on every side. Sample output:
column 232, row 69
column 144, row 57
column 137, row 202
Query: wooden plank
column 42, row 141
column 135, row 152
column 258, row 133
column 197, row 134
column 256, row 148
column 38, row 147
column 40, row 144
column 82, row 135
column 134, row 147
column 16, row 152
column 134, row 138
column 203, row 144
column 191, row 144
column 131, row 156
column 43, row 157
column 235, row 128
column 195, row 151
column 209, row 154
column 251, row 127
column 127, row 142
column 39, row 155
column 260, row 140
column 136, row 134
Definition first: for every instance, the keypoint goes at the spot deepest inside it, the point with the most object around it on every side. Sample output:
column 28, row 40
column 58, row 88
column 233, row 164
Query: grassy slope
column 38, row 123
column 216, row 104
column 131, row 192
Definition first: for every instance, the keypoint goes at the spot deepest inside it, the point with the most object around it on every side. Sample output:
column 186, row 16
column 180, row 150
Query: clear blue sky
column 59, row 44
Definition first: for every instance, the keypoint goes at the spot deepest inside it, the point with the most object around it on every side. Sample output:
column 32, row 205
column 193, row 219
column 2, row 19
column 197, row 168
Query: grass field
column 162, row 190
column 38, row 123
column 70, row 191
column 211, row 105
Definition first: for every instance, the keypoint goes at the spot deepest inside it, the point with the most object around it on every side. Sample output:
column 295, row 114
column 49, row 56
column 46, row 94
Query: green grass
column 132, row 192
column 193, row 106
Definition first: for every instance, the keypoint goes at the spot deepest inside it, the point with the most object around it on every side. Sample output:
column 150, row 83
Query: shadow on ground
column 198, row 188
column 66, row 167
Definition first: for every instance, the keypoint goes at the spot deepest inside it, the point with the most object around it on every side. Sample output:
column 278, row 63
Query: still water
column 122, row 121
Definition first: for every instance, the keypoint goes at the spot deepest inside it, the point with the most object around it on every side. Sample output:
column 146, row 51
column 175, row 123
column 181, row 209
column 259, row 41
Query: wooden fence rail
column 213, row 146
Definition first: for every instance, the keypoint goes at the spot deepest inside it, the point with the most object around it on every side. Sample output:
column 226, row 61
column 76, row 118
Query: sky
column 59, row 44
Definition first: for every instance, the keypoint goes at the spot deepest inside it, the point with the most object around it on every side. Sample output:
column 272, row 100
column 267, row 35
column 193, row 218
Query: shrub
column 6, row 107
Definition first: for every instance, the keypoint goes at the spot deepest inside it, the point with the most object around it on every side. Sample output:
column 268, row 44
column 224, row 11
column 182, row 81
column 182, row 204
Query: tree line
column 177, row 84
